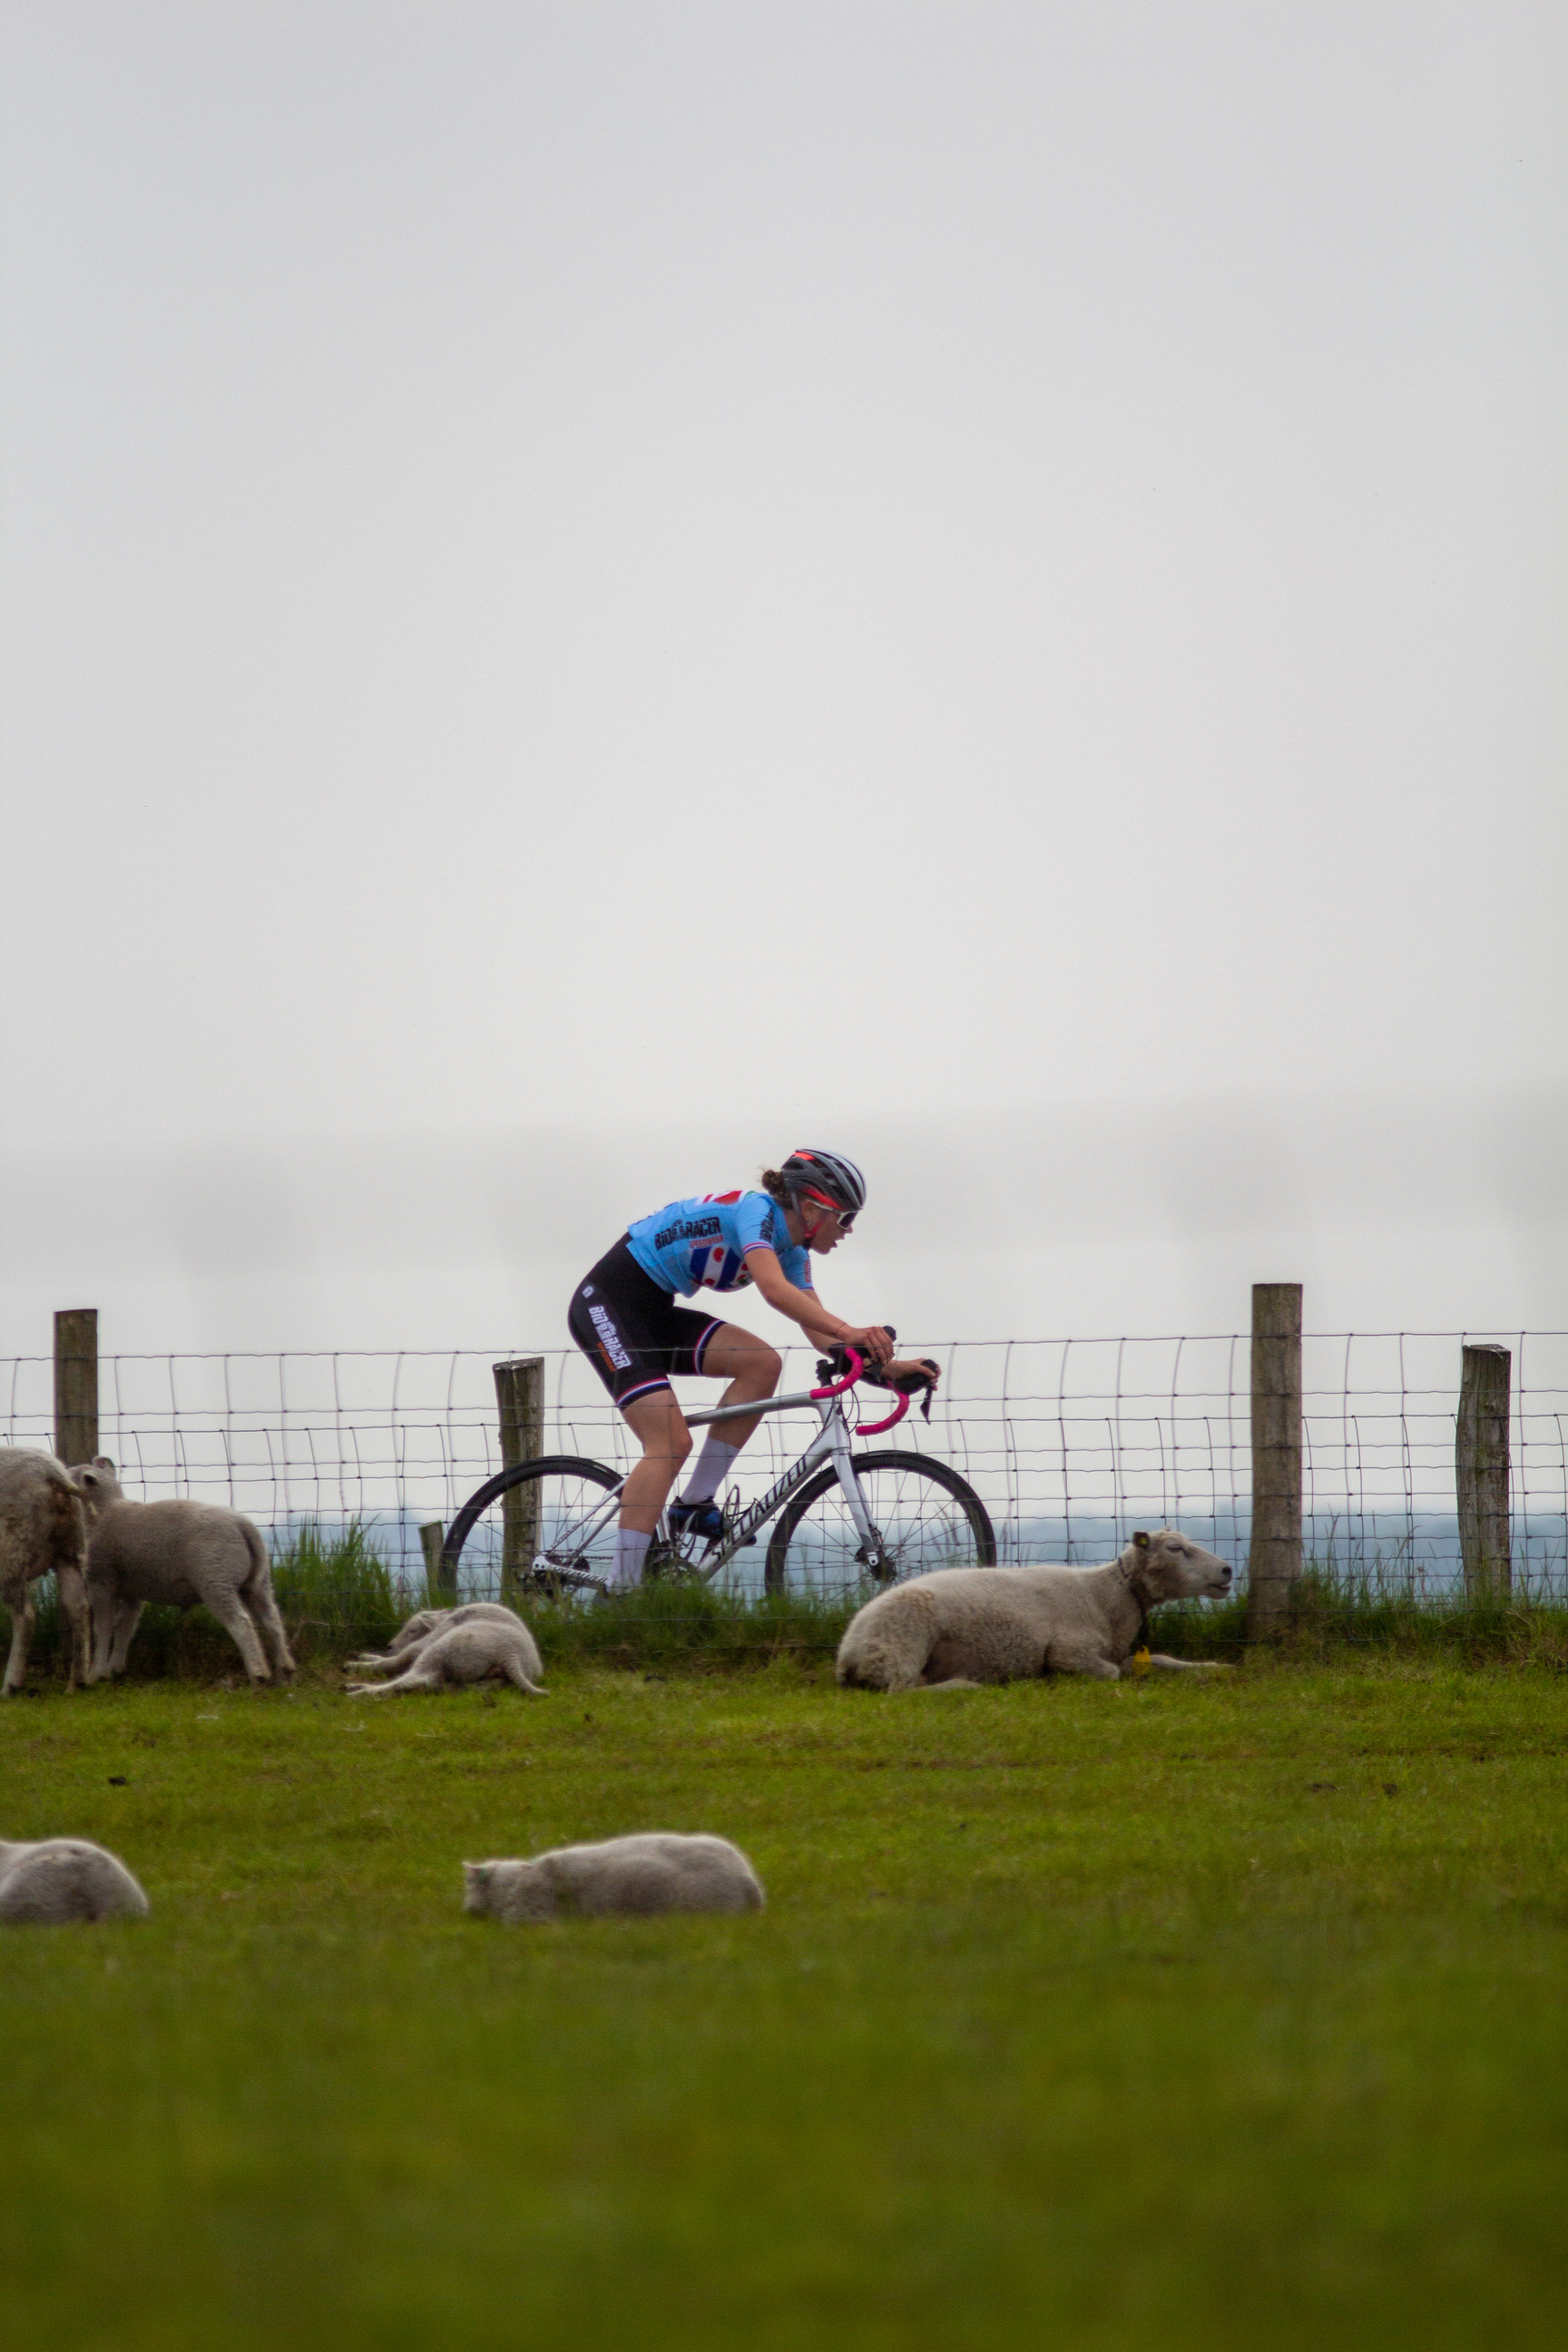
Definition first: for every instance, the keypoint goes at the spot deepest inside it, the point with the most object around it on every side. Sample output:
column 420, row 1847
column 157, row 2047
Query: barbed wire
column 1071, row 1444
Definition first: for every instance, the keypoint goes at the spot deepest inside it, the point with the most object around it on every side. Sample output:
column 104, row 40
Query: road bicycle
column 846, row 1520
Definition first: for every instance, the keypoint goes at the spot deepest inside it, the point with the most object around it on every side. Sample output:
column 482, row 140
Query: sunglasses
column 846, row 1216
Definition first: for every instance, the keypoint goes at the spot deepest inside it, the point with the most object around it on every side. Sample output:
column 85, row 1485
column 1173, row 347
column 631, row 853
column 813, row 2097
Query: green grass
column 1222, row 2013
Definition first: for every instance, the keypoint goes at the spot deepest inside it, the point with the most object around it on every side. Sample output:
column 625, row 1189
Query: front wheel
column 925, row 1516
column 539, row 1529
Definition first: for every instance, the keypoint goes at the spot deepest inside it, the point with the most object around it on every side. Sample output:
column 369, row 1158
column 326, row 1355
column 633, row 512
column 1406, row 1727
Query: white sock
column 712, row 1468
column 631, row 1550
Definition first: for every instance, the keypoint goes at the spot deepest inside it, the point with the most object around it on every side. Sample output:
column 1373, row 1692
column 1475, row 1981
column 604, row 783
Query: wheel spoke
column 924, row 1515
column 547, row 1532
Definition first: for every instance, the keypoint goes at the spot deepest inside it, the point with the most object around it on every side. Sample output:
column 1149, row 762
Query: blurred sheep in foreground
column 657, row 1871
column 60, row 1880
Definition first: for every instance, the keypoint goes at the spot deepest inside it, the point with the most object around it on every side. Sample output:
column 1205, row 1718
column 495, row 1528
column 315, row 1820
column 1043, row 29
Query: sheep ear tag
column 1139, row 1661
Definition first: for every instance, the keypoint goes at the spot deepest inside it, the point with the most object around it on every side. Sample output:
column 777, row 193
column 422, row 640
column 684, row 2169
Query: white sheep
column 182, row 1552
column 410, row 1639
column 657, row 1871
column 42, row 1527
column 968, row 1625
column 476, row 1652
column 63, row 1879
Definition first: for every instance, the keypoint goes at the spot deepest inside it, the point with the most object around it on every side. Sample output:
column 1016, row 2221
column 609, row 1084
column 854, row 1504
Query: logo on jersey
column 690, row 1229
column 600, row 1318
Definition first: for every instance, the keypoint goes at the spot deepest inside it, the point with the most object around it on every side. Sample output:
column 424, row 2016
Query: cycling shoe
column 704, row 1519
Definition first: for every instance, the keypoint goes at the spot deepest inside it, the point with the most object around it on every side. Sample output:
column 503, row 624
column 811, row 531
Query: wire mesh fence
column 1070, row 1444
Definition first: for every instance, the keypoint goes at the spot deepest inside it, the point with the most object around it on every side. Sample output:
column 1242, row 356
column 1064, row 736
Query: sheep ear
column 1142, row 1540
column 102, row 1462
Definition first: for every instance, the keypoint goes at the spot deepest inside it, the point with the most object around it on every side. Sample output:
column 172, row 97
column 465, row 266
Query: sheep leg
column 264, row 1609
column 72, row 1590
column 512, row 1669
column 1190, row 1665
column 233, row 1616
column 127, row 1617
column 24, row 1617
column 414, row 1680
column 103, row 1610
column 393, row 1661
column 1083, row 1662
column 953, row 1682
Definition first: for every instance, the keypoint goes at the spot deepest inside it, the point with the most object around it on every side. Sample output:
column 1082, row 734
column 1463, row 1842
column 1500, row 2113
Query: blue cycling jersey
column 701, row 1244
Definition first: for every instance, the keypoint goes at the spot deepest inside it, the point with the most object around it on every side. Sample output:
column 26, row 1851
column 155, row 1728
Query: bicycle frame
column 832, row 1442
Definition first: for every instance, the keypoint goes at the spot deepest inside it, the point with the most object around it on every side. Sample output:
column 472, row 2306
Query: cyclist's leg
column 635, row 1337
column 657, row 1423
column 751, row 1369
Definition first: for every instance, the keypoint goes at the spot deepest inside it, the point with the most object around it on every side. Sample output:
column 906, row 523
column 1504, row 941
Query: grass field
column 1212, row 2012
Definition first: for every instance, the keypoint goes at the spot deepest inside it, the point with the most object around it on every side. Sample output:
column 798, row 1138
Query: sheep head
column 99, row 1485
column 1171, row 1567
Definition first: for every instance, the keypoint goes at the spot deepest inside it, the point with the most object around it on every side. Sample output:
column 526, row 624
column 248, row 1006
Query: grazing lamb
column 410, row 1639
column 655, row 1872
column 62, row 1879
column 43, row 1526
column 974, row 1625
column 182, row 1552
column 480, row 1650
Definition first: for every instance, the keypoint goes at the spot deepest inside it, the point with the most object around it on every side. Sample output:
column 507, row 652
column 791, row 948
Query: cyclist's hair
column 777, row 1189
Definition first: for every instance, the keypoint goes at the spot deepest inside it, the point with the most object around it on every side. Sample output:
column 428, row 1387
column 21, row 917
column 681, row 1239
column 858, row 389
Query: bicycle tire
column 825, row 1564
column 540, row 1471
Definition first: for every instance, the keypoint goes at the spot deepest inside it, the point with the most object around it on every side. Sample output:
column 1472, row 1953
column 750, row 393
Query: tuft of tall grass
column 689, row 1624
column 1334, row 1611
column 338, row 1585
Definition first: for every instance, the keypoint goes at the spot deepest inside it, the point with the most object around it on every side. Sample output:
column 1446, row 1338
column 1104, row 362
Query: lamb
column 43, row 1526
column 182, row 1552
column 477, row 1651
column 64, row 1879
column 411, row 1638
column 657, row 1871
column 967, row 1625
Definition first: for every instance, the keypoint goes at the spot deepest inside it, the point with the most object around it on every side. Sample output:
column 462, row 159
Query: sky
column 592, row 593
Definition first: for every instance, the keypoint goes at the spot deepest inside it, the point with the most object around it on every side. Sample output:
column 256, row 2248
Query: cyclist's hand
column 918, row 1369
column 870, row 1340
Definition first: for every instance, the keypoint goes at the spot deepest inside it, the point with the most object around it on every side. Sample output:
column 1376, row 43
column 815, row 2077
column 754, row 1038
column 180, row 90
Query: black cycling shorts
column 631, row 1332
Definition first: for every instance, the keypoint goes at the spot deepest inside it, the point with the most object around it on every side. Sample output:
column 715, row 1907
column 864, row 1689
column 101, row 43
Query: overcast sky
column 593, row 591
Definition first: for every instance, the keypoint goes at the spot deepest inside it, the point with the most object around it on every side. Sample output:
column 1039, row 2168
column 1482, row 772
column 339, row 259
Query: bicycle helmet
column 828, row 1177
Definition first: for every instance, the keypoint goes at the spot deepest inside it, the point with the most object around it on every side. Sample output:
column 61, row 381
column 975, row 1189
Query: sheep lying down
column 420, row 1628
column 657, row 1871
column 485, row 1649
column 64, row 1879
column 961, row 1626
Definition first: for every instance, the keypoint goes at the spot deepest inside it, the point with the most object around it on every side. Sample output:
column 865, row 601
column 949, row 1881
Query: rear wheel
column 537, row 1529
column 924, row 1514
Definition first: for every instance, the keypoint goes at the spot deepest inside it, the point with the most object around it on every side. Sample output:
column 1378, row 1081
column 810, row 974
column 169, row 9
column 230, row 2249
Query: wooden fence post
column 76, row 1383
column 519, row 1393
column 442, row 1589
column 1481, row 1473
column 1274, row 1560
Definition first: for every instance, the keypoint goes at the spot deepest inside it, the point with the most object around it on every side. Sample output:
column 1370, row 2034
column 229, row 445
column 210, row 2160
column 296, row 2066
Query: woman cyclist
column 625, row 1319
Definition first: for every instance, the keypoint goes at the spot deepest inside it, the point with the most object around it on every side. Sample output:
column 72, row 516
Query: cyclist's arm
column 805, row 1307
